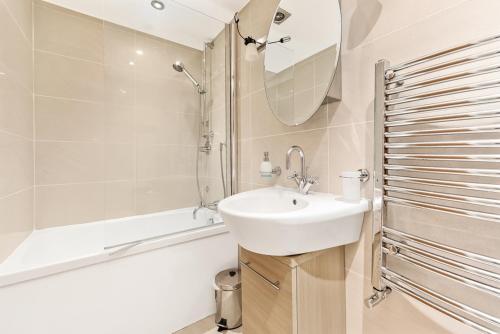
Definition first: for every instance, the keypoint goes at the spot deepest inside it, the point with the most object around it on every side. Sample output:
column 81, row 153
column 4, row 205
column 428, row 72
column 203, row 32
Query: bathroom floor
column 206, row 326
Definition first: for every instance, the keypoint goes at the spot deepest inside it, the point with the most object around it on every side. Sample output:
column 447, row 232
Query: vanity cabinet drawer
column 300, row 294
column 267, row 295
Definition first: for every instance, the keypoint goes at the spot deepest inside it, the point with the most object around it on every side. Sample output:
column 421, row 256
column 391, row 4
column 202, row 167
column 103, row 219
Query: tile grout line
column 69, row 99
column 308, row 130
column 16, row 22
column 17, row 192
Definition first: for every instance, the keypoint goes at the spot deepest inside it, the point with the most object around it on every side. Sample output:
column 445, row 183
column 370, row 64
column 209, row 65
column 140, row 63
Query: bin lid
column 229, row 279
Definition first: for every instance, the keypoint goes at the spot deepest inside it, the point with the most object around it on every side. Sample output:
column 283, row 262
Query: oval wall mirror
column 302, row 52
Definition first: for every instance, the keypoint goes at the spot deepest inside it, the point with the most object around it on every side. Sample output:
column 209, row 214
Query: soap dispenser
column 266, row 167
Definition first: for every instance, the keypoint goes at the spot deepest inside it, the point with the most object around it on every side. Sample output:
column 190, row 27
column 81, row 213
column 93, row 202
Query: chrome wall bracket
column 377, row 297
column 364, row 175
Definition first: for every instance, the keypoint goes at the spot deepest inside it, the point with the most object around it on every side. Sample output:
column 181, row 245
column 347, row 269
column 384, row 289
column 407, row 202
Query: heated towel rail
column 436, row 230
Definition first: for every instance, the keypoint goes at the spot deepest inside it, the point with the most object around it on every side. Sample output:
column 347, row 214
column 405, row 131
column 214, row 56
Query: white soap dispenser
column 266, row 167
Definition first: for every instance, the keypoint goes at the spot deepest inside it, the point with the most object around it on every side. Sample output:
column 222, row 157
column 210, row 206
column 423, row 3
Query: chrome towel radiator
column 436, row 228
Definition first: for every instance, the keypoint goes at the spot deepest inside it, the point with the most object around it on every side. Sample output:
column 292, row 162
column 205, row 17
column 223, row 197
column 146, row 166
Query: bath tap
column 303, row 181
column 210, row 206
column 195, row 211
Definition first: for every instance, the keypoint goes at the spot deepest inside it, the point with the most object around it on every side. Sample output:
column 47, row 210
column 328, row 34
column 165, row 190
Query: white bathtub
column 67, row 280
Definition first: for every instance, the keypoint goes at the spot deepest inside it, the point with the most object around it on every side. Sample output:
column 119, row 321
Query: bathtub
column 149, row 274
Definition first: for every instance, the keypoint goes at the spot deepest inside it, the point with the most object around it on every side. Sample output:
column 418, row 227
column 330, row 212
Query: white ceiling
column 188, row 22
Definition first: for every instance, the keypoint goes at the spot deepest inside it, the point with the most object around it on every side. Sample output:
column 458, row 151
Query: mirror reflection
column 301, row 58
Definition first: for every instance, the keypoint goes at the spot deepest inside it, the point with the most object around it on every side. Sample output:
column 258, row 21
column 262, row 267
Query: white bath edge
column 112, row 254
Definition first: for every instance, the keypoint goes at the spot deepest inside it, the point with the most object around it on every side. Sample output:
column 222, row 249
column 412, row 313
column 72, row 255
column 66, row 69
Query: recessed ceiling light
column 139, row 52
column 157, row 4
column 131, row 63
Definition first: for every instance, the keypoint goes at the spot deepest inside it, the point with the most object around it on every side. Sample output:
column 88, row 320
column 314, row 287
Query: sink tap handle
column 295, row 176
column 307, row 183
column 313, row 179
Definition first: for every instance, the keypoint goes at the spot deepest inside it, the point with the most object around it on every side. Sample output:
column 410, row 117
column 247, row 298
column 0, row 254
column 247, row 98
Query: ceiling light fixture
column 139, row 52
column 281, row 16
column 157, row 4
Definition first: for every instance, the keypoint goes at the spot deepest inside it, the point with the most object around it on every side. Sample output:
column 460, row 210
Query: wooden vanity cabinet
column 301, row 294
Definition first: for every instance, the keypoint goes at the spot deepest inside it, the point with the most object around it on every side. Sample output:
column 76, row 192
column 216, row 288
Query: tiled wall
column 115, row 125
column 339, row 136
column 296, row 90
column 16, row 124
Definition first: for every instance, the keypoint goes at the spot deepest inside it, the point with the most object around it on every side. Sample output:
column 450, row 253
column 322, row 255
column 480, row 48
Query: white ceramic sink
column 281, row 221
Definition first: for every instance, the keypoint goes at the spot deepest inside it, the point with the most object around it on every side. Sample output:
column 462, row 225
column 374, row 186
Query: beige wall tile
column 173, row 95
column 70, row 78
column 79, row 162
column 16, row 211
column 119, row 46
column 260, row 23
column 15, row 50
column 156, row 126
column 245, row 161
column 159, row 161
column 350, row 149
column 110, row 110
column 368, row 20
column 16, row 169
column 68, row 120
column 157, row 56
column 244, row 118
column 21, row 11
column 59, row 205
column 119, row 199
column 157, row 195
column 119, row 87
column 16, row 106
column 67, row 33
column 16, row 124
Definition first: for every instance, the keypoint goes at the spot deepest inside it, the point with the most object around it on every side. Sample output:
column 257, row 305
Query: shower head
column 179, row 67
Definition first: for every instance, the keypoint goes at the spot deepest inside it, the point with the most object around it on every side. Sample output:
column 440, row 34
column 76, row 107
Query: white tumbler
column 351, row 186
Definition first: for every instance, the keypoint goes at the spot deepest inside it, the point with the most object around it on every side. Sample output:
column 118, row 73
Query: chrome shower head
column 179, row 67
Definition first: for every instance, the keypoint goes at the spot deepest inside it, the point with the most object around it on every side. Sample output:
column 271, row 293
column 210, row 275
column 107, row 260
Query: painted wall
column 115, row 126
column 16, row 124
column 339, row 136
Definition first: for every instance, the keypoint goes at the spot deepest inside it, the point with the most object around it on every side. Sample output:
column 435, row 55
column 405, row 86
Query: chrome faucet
column 303, row 181
column 210, row 206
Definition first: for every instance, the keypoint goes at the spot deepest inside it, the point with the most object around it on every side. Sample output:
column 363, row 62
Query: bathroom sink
column 281, row 221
